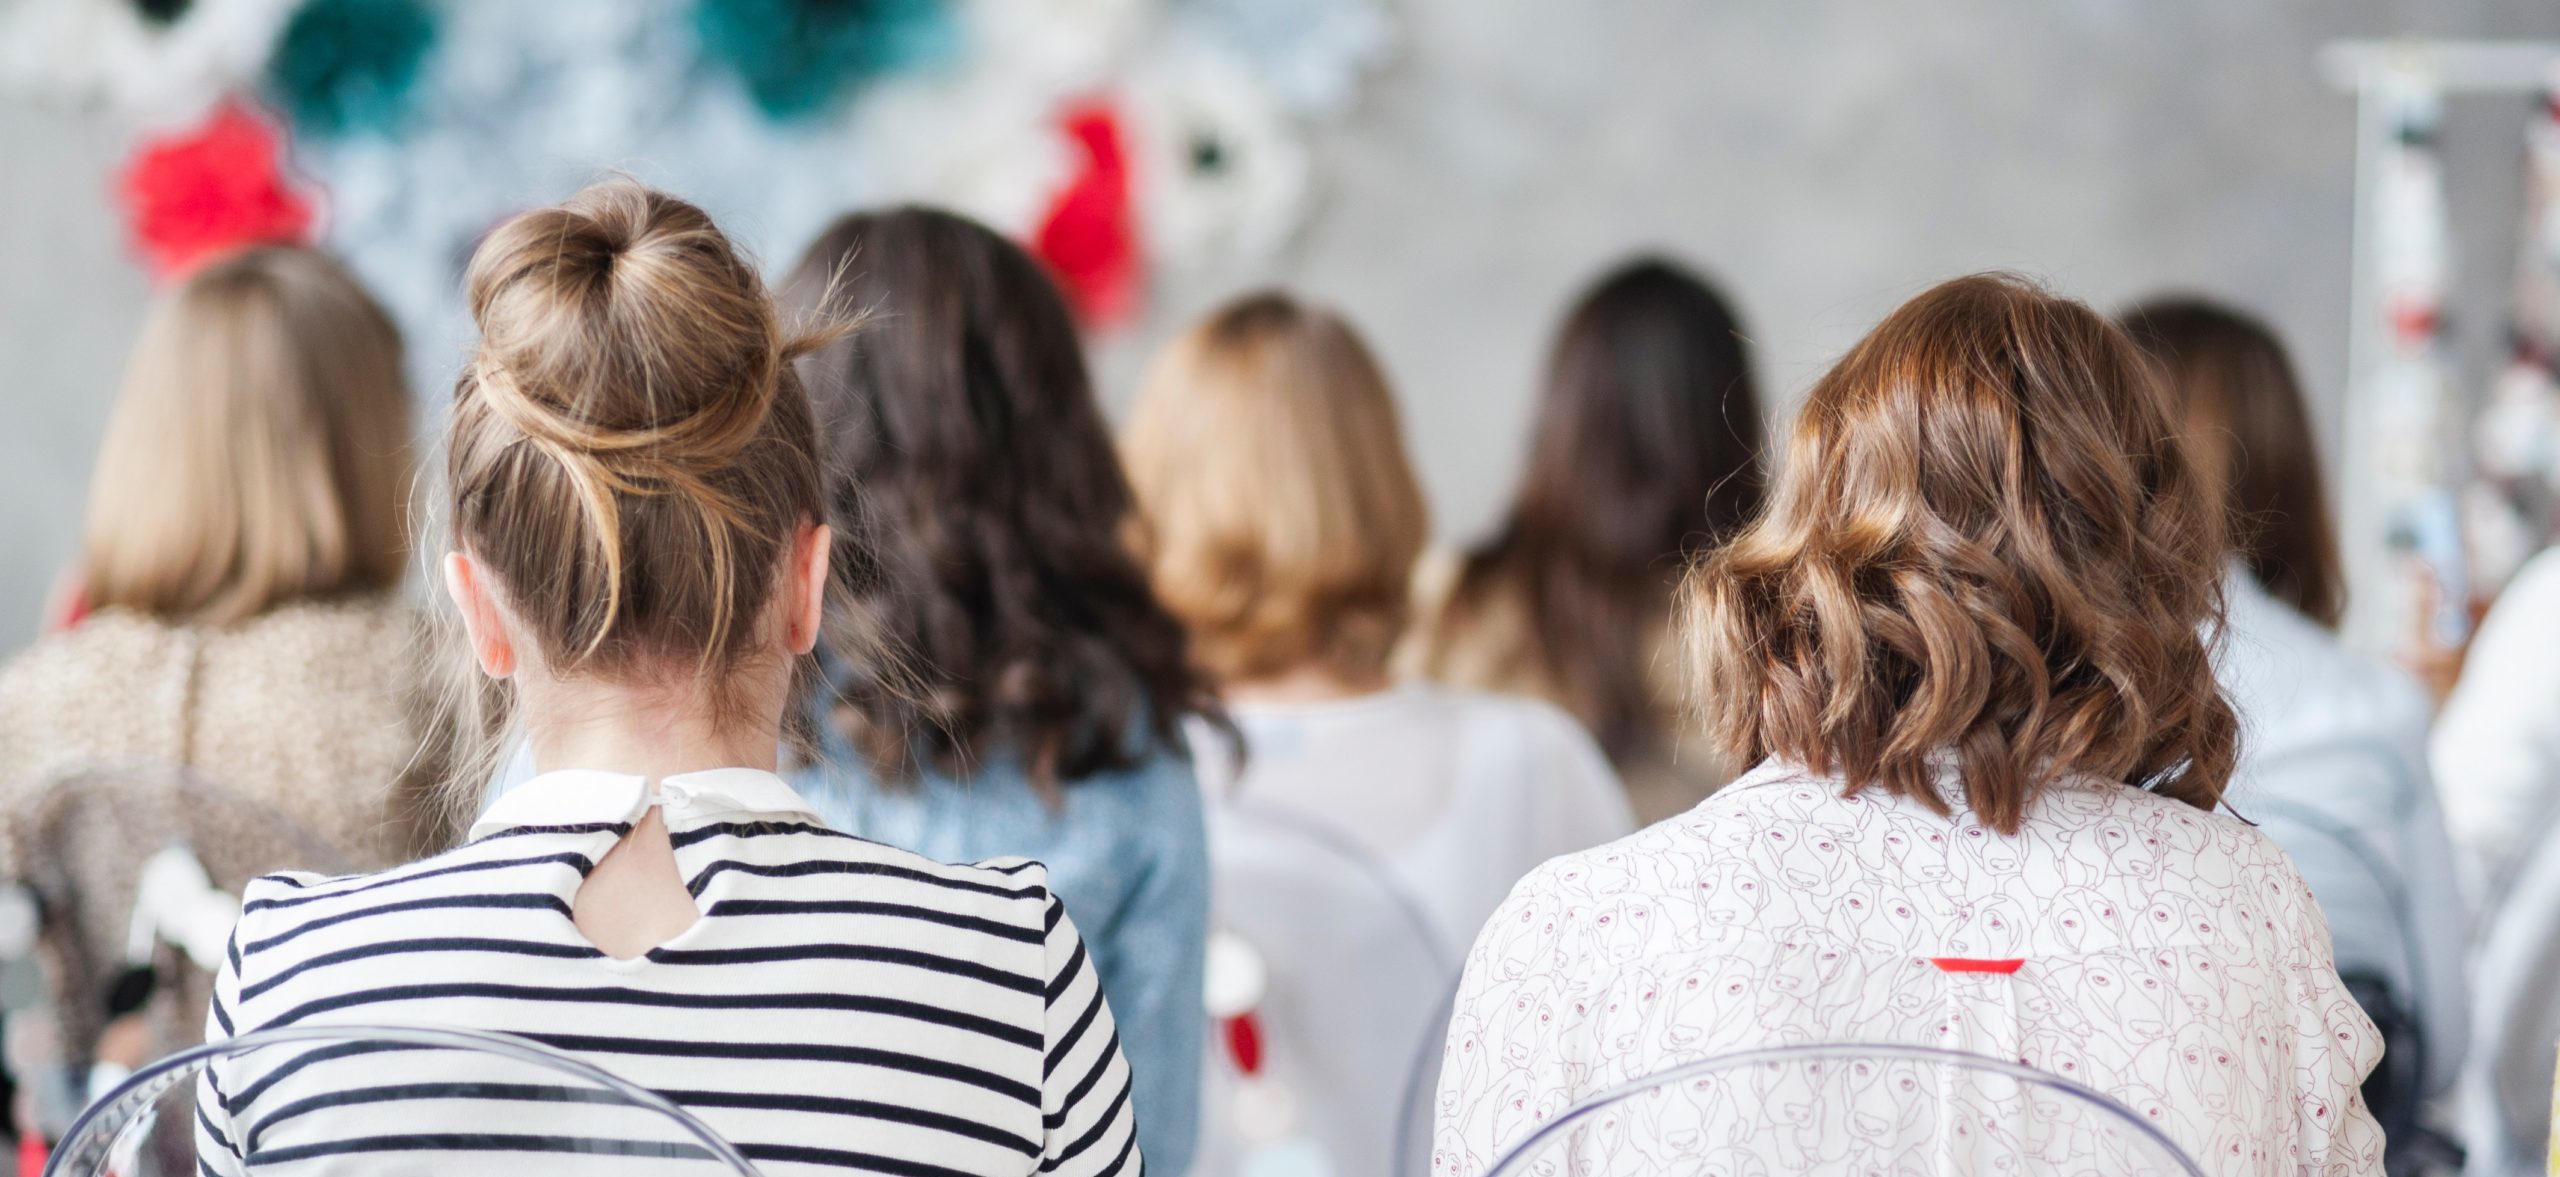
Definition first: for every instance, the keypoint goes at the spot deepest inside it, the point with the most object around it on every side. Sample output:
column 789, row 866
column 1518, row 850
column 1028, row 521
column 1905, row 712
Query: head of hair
column 1988, row 551
column 1647, row 448
column 259, row 451
column 966, row 456
column 2250, row 428
column 630, row 455
column 1282, row 519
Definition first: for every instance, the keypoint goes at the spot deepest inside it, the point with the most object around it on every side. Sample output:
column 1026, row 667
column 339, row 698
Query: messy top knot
column 630, row 453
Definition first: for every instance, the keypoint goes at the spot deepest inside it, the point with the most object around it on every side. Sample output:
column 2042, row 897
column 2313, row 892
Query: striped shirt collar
column 577, row 796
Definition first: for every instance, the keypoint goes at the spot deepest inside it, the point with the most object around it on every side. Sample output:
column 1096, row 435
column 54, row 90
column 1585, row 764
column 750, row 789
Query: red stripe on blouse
column 1969, row 964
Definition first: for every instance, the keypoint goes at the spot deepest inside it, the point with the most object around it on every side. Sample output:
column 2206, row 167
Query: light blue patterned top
column 1128, row 853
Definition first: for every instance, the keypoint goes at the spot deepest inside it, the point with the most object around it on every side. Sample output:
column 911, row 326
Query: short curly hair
column 1988, row 551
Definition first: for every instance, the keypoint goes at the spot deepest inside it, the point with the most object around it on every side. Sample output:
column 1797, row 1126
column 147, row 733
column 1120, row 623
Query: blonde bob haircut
column 1281, row 519
column 259, row 450
column 1988, row 552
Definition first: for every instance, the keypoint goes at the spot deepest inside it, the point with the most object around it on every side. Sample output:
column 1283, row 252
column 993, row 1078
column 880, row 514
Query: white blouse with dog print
column 2166, row 956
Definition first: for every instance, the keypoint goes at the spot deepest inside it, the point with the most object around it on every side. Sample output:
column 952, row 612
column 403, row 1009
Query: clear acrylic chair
column 1886, row 1111
column 84, row 845
column 1353, row 1005
column 385, row 1101
column 2508, row 1110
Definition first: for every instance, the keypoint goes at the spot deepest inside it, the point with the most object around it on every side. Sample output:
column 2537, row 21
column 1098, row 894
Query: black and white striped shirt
column 840, row 1005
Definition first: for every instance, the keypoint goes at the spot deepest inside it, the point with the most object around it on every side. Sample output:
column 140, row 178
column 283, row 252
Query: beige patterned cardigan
column 314, row 708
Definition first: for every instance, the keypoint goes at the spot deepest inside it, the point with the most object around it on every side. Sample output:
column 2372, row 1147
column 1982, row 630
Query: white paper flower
column 1220, row 173
column 159, row 77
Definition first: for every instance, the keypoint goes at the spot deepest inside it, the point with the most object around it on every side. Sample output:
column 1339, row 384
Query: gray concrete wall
column 1824, row 158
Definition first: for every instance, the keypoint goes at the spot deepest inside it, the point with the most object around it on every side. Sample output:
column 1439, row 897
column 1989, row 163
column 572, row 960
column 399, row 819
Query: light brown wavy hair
column 1988, row 544
column 1282, row 518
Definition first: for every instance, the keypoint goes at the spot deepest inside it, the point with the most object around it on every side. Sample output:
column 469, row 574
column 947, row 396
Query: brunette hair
column 969, row 466
column 2250, row 429
column 1988, row 551
column 259, row 452
column 1647, row 448
column 1282, row 517
column 630, row 453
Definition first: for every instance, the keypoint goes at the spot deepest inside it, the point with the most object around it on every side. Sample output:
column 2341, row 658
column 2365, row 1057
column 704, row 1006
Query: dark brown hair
column 969, row 466
column 2250, row 430
column 1647, row 448
column 1988, row 551
column 629, row 452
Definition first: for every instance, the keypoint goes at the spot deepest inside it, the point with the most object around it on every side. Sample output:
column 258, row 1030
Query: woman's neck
column 1312, row 683
column 655, row 732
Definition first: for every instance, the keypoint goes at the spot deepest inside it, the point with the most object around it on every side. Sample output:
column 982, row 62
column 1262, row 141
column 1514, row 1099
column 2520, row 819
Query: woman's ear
column 807, row 604
column 481, row 621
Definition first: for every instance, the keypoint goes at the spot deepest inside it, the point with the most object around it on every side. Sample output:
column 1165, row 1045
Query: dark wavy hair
column 1988, row 546
column 1647, row 449
column 2250, row 428
column 981, row 514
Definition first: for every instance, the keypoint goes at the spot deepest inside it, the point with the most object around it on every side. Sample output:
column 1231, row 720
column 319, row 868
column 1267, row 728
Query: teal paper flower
column 346, row 67
column 797, row 56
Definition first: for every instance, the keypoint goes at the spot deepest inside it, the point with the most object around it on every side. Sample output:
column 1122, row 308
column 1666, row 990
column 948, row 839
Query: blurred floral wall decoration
column 1120, row 137
column 349, row 66
column 797, row 57
column 194, row 194
column 2513, row 504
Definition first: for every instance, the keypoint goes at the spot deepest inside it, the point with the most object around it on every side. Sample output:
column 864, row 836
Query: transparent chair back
column 1867, row 1110
column 1354, row 1007
column 2510, row 1110
column 385, row 1101
column 83, row 848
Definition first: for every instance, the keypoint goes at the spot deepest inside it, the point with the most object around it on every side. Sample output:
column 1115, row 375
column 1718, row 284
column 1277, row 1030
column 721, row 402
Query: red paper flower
column 222, row 185
column 1090, row 238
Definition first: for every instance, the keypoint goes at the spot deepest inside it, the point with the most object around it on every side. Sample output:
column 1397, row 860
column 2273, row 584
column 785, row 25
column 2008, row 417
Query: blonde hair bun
column 623, row 323
column 630, row 451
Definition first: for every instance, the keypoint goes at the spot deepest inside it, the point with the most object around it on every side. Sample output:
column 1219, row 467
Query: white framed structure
column 2380, row 73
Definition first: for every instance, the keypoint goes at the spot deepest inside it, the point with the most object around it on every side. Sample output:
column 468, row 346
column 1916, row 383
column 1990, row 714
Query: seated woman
column 1968, row 648
column 2496, row 746
column 639, row 559
column 2333, row 761
column 1281, row 521
column 1646, row 448
column 1281, row 524
column 237, row 592
column 1036, row 701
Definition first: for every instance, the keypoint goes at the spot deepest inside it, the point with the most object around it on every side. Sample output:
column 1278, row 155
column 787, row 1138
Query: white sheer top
column 1458, row 793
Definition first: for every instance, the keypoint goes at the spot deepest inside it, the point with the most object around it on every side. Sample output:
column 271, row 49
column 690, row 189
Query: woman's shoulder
column 1128, row 819
column 108, row 688
column 1532, row 717
column 1161, row 774
column 103, row 647
column 2295, row 682
column 110, row 649
column 2166, row 847
column 1482, row 644
column 1700, row 840
column 366, row 627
